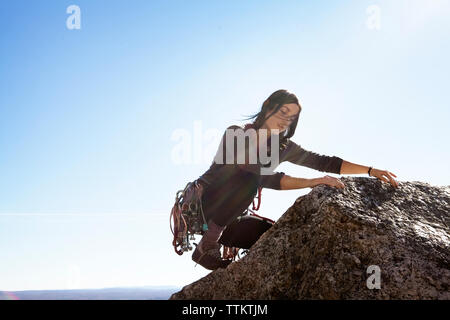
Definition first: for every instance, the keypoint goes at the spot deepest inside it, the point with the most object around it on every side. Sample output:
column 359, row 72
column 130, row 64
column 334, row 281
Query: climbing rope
column 179, row 228
column 185, row 216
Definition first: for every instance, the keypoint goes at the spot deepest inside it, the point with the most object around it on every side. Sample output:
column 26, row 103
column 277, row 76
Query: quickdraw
column 187, row 216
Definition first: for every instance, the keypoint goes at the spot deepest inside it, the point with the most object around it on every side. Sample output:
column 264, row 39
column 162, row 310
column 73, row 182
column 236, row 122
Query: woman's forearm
column 353, row 168
column 289, row 183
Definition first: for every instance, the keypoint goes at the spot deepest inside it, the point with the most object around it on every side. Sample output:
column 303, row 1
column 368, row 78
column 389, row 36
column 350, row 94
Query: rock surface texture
column 322, row 247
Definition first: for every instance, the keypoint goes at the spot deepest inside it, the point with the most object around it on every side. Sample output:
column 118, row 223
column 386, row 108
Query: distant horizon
column 114, row 293
column 120, row 287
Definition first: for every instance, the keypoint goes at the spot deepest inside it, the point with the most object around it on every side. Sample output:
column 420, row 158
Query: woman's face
column 283, row 117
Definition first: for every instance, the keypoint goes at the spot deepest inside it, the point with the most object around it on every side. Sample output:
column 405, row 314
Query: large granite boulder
column 366, row 241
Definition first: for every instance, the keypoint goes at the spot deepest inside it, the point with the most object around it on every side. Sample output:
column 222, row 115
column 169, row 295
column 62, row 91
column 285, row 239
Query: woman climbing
column 230, row 187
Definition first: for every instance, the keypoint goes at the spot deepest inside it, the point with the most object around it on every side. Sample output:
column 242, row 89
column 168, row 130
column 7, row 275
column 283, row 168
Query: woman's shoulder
column 286, row 144
column 234, row 126
column 290, row 147
column 244, row 126
column 291, row 144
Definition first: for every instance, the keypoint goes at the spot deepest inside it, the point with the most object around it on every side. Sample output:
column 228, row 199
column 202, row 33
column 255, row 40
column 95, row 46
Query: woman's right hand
column 332, row 181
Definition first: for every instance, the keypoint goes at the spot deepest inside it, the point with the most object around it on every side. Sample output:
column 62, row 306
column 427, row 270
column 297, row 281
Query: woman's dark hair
column 270, row 106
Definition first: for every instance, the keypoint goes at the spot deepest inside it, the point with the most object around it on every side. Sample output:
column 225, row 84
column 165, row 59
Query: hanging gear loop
column 187, row 217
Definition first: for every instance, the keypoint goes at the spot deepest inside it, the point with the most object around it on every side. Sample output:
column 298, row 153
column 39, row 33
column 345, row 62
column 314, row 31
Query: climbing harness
column 187, row 217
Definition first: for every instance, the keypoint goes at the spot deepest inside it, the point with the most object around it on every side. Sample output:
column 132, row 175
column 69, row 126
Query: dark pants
column 244, row 232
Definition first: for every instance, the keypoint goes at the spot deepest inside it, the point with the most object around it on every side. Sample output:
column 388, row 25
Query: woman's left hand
column 385, row 176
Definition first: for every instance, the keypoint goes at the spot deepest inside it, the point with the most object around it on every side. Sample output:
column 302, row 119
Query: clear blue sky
column 88, row 117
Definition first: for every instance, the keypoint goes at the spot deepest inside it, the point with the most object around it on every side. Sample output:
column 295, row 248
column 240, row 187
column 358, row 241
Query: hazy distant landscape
column 131, row 293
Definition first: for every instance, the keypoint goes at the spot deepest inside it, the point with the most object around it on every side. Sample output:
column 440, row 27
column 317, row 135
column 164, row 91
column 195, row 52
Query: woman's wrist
column 289, row 183
column 315, row 182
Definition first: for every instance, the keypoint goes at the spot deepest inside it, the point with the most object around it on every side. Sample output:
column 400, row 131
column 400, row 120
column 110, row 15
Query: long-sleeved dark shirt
column 229, row 188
